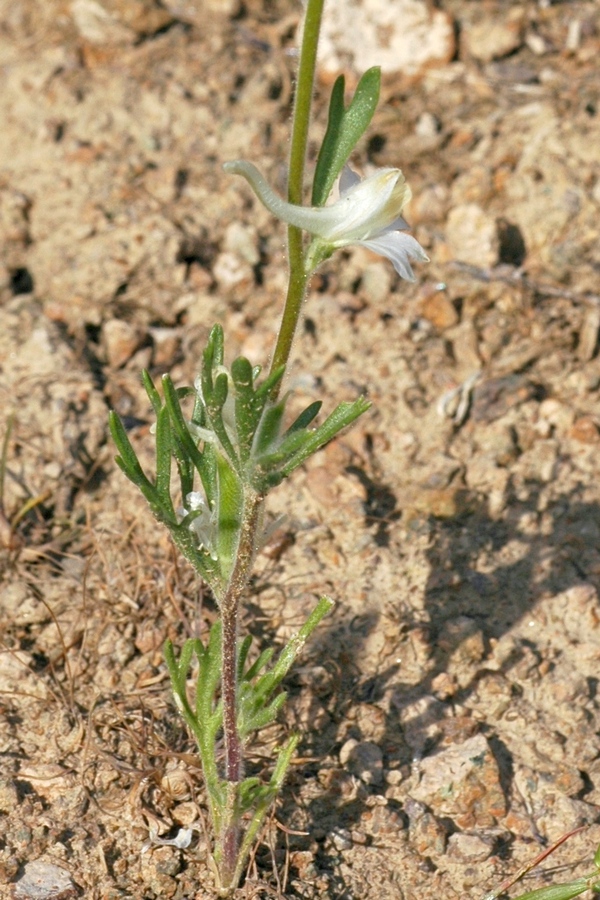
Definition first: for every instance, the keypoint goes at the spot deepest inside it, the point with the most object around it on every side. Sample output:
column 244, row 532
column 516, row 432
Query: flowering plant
column 230, row 441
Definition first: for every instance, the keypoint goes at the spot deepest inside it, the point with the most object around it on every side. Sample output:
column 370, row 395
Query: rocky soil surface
column 449, row 708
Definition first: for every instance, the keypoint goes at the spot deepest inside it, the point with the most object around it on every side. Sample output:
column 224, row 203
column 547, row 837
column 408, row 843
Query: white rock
column 469, row 847
column 97, row 25
column 403, row 36
column 472, row 235
column 21, row 606
column 342, row 839
column 196, row 11
column 43, row 880
column 493, row 36
column 427, row 125
column 462, row 782
column 243, row 241
column 231, row 271
column 377, row 282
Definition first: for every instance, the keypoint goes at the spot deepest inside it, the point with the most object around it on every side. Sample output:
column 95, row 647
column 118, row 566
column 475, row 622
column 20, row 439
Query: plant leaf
column 229, row 511
column 247, row 407
column 342, row 416
column 305, row 417
column 558, row 891
column 345, row 128
column 163, row 458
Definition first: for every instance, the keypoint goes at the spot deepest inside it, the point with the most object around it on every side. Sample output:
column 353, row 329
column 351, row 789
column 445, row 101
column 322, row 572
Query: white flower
column 368, row 213
column 202, row 524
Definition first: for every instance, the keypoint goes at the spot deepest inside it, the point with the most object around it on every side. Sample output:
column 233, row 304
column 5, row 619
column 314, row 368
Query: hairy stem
column 229, row 839
column 298, row 278
column 233, row 748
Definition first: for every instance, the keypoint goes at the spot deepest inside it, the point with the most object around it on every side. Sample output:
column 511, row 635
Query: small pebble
column 121, row 340
column 43, row 880
column 363, row 759
column 342, row 839
column 469, row 847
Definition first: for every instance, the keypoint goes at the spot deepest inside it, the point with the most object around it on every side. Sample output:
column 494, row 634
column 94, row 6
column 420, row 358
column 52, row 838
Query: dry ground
column 449, row 708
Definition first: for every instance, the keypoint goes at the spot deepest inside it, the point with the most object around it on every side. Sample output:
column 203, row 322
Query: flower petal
column 366, row 209
column 398, row 248
column 399, row 224
column 348, row 179
column 195, row 500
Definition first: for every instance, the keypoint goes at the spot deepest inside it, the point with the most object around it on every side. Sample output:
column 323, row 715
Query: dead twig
column 528, row 866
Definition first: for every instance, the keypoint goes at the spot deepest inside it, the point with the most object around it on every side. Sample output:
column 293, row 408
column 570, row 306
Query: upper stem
column 302, row 102
column 298, row 279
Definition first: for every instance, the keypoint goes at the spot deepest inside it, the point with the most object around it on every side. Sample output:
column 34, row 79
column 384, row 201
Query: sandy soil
column 449, row 707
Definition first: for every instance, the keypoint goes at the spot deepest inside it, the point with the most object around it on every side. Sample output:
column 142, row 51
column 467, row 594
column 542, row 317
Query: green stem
column 298, row 278
column 304, row 89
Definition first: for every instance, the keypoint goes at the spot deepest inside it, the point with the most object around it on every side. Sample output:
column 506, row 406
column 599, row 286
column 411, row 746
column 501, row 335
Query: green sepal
column 345, row 128
column 316, row 253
